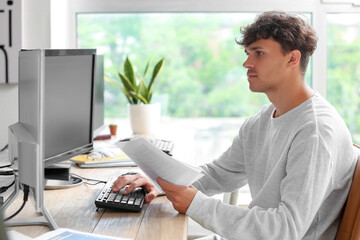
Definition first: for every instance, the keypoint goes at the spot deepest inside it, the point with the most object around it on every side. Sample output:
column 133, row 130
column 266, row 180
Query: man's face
column 266, row 65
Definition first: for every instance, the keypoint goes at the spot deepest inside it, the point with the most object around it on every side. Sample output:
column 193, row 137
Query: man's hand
column 180, row 196
column 135, row 181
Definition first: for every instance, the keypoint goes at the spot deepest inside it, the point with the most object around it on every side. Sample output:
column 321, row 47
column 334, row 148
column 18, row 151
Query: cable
column 88, row 179
column 26, row 191
column 7, row 173
column 5, row 188
column 2, row 47
column 5, row 166
column 5, row 147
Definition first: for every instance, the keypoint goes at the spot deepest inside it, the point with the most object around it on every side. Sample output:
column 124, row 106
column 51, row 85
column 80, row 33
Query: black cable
column 5, row 188
column 5, row 166
column 26, row 191
column 88, row 179
column 5, row 147
column 2, row 47
column 7, row 173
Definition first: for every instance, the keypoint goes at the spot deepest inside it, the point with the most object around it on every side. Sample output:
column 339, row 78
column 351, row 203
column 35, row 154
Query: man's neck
column 290, row 97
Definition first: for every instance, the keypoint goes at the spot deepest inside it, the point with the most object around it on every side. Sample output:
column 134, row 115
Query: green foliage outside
column 203, row 75
column 343, row 69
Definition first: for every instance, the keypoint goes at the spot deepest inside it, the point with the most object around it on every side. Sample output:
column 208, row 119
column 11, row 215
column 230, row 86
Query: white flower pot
column 144, row 118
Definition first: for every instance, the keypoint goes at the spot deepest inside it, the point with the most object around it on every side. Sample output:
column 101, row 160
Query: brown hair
column 289, row 30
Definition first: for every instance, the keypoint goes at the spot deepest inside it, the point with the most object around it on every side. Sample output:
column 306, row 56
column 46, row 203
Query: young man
column 296, row 154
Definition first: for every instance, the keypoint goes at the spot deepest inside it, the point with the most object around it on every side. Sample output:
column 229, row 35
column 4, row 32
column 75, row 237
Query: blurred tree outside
column 203, row 74
column 343, row 68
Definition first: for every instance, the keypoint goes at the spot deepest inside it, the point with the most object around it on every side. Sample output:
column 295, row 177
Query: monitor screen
column 67, row 112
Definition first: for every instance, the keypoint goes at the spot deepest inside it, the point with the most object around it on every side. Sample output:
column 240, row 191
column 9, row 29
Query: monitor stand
column 57, row 176
column 44, row 219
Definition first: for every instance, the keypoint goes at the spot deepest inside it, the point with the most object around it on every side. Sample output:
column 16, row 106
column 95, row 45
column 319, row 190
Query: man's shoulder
column 323, row 111
column 321, row 118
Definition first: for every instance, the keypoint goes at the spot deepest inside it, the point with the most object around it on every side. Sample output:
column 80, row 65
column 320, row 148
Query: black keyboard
column 166, row 146
column 132, row 202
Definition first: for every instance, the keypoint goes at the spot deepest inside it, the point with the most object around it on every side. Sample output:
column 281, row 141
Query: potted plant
column 144, row 115
column 113, row 129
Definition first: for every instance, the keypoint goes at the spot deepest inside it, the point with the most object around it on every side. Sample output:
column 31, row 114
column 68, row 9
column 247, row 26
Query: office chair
column 349, row 228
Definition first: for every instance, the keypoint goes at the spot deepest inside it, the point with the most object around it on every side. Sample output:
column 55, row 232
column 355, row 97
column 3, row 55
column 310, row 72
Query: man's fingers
column 122, row 181
column 151, row 196
column 135, row 184
column 163, row 184
column 180, row 196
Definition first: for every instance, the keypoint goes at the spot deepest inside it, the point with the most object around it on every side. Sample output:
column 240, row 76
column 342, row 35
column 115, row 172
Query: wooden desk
column 74, row 208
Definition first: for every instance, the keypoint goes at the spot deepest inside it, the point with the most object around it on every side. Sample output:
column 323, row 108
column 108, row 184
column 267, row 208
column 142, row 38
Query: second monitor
column 55, row 115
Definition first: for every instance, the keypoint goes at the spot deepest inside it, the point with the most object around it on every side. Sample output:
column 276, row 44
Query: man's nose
column 248, row 63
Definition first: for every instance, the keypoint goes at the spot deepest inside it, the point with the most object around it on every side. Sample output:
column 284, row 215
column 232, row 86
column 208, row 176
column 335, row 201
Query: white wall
column 8, row 109
column 35, row 34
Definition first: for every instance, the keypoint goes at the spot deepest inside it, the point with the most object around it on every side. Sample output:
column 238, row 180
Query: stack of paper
column 155, row 163
column 119, row 160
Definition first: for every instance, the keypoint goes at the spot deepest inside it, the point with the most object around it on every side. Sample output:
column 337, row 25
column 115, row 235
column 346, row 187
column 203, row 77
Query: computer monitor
column 98, row 116
column 56, row 90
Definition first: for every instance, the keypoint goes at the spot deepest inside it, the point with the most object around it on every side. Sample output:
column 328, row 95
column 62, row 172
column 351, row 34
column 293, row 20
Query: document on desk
column 69, row 234
column 155, row 163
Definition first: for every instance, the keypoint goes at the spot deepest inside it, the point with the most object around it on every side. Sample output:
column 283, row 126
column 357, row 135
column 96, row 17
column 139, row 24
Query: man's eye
column 260, row 53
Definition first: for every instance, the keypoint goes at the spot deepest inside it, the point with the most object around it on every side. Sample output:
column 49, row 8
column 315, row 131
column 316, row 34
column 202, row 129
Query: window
column 203, row 74
column 343, row 68
column 69, row 17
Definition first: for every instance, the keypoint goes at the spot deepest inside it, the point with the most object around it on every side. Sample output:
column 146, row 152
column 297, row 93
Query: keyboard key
column 164, row 145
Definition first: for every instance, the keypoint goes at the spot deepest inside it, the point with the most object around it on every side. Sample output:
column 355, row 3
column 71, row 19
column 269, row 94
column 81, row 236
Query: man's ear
column 295, row 57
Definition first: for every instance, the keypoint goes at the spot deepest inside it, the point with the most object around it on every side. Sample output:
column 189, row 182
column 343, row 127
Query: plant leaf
column 129, row 71
column 146, row 68
column 139, row 97
column 111, row 81
column 143, row 91
column 127, row 95
column 128, row 87
column 156, row 71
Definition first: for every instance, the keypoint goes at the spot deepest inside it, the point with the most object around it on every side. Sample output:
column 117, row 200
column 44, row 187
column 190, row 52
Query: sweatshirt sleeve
column 225, row 174
column 302, row 191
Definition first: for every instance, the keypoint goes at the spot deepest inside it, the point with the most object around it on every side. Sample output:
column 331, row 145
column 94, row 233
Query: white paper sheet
column 69, row 234
column 62, row 234
column 14, row 235
column 155, row 163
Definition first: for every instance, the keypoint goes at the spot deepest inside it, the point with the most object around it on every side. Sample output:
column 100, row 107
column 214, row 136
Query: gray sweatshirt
column 298, row 166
